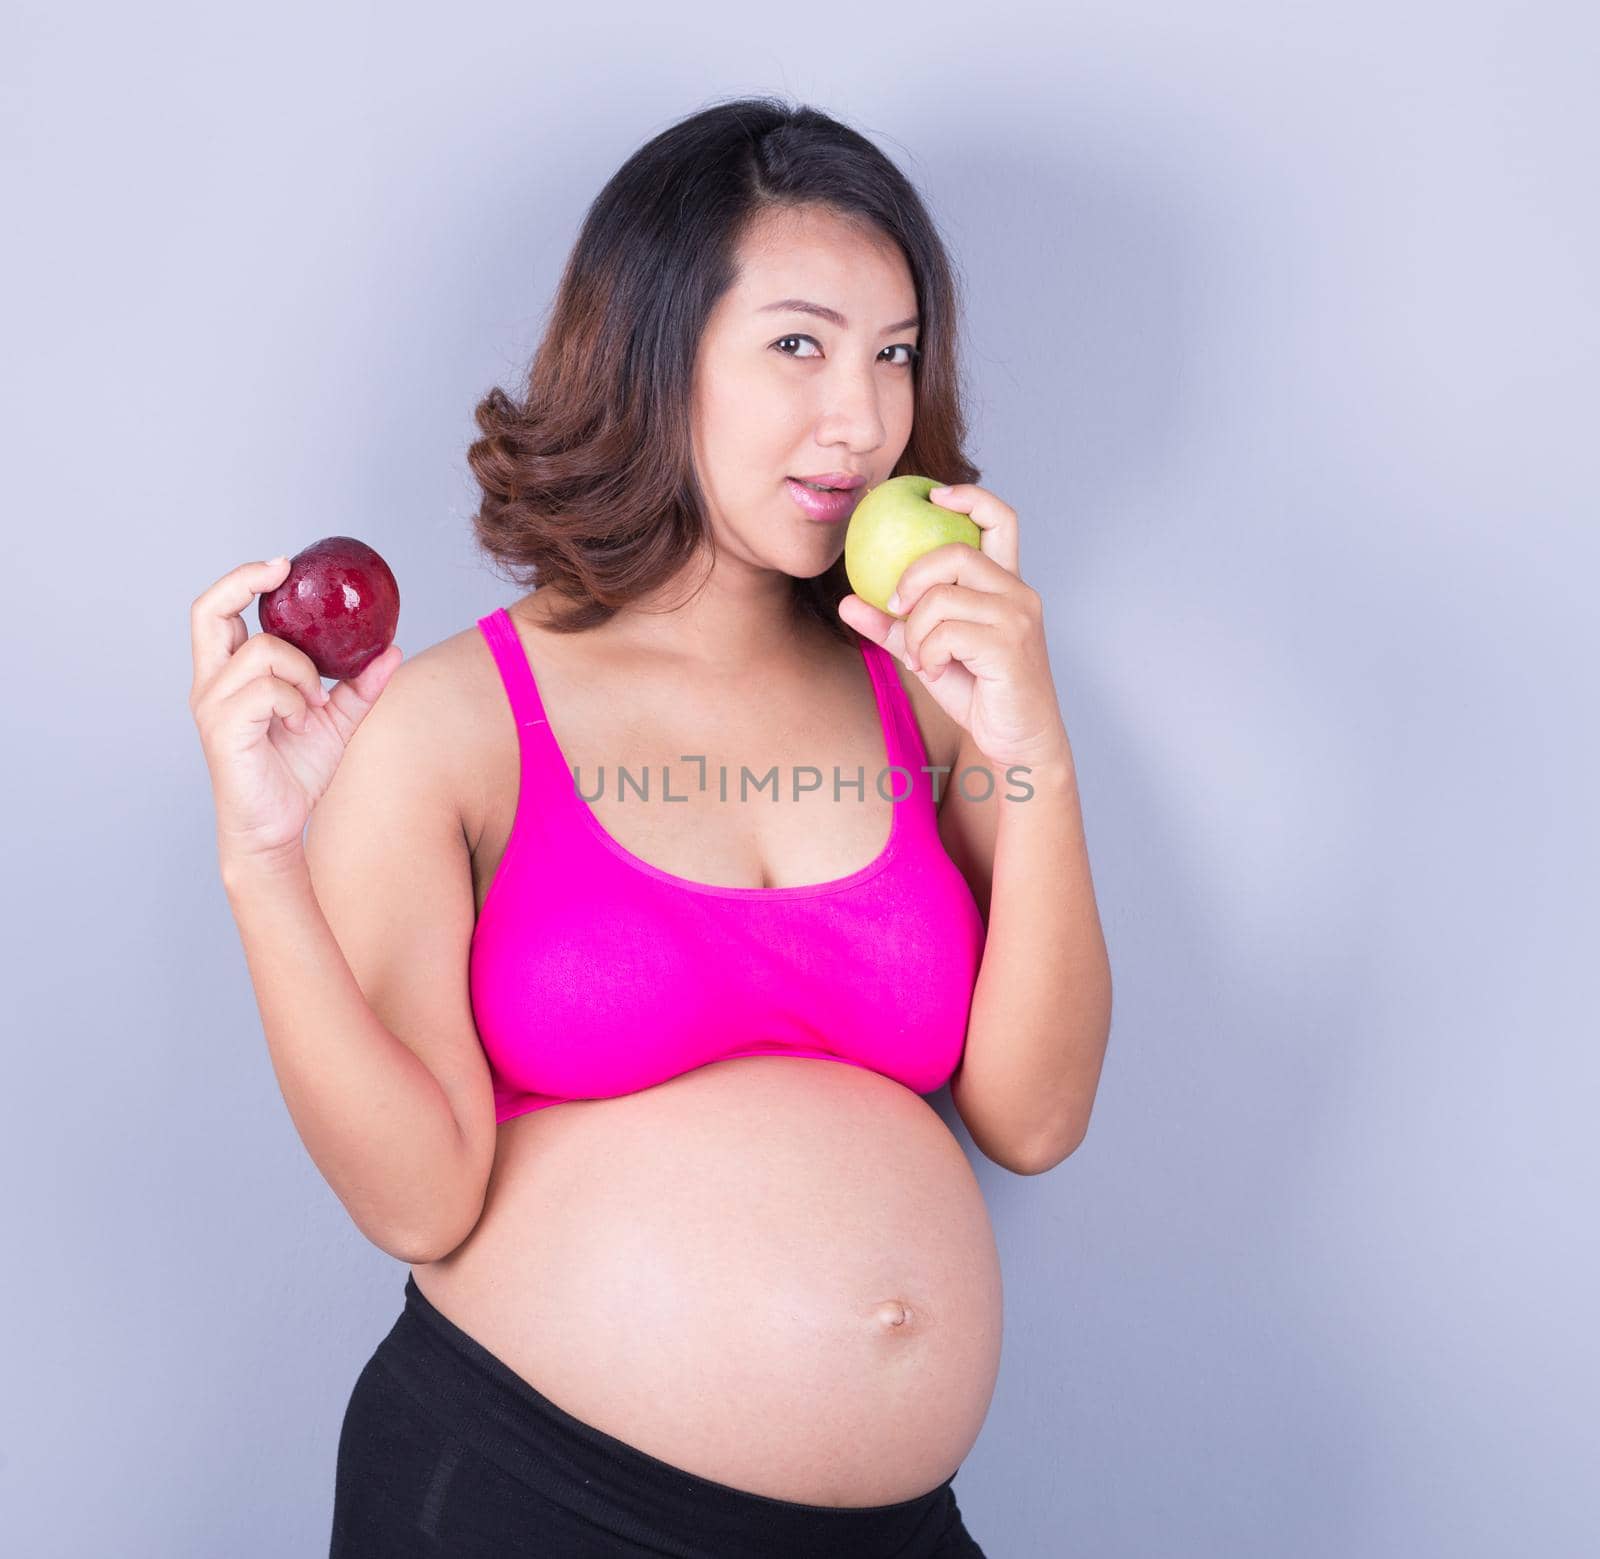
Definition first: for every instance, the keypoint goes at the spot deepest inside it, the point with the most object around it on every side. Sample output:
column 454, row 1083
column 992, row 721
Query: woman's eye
column 912, row 353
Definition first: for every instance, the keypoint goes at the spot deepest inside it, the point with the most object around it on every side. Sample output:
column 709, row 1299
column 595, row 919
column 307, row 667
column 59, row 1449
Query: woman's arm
column 1041, row 1009
column 357, row 939
column 966, row 623
column 357, row 944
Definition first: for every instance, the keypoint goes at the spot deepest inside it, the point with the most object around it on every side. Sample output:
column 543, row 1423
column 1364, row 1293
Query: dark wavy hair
column 588, row 481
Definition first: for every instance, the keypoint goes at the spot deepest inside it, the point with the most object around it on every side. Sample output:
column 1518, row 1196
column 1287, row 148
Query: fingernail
column 894, row 602
column 937, row 492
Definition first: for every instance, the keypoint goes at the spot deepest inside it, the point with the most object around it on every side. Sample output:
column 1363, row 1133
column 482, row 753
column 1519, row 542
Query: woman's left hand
column 974, row 633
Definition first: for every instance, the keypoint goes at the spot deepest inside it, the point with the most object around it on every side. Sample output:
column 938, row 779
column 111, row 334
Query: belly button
column 894, row 1313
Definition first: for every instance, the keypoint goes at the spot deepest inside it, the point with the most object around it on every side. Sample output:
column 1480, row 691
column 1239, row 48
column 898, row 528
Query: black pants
column 446, row 1451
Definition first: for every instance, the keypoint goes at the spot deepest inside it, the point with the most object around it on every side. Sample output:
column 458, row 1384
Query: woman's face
column 780, row 392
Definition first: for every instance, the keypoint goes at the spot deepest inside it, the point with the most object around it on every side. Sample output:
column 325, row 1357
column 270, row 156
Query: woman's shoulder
column 441, row 681
column 450, row 701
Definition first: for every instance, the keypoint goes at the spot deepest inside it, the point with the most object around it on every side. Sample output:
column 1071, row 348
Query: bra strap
column 515, row 673
column 902, row 742
column 545, row 775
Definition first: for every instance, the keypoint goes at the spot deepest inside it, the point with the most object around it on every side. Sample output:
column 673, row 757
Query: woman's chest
column 780, row 786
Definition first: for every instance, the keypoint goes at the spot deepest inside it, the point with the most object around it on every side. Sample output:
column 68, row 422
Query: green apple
column 894, row 523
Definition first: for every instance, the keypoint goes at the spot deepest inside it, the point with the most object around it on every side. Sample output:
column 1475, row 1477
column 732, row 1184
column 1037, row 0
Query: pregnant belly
column 776, row 1272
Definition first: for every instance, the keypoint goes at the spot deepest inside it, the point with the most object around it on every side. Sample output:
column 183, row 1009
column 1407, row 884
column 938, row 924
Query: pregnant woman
column 619, row 1045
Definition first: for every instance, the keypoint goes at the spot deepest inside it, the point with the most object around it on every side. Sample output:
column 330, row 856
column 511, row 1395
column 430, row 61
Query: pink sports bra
column 595, row 974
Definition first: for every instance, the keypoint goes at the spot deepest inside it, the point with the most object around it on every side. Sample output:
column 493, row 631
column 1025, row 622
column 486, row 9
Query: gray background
column 1284, row 346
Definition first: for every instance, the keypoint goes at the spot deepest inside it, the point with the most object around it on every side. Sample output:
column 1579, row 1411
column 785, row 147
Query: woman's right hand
column 272, row 735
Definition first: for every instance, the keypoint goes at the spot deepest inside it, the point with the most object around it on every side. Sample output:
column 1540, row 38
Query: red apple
column 339, row 603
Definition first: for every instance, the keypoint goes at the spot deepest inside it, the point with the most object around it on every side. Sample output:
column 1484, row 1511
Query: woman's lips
column 829, row 508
